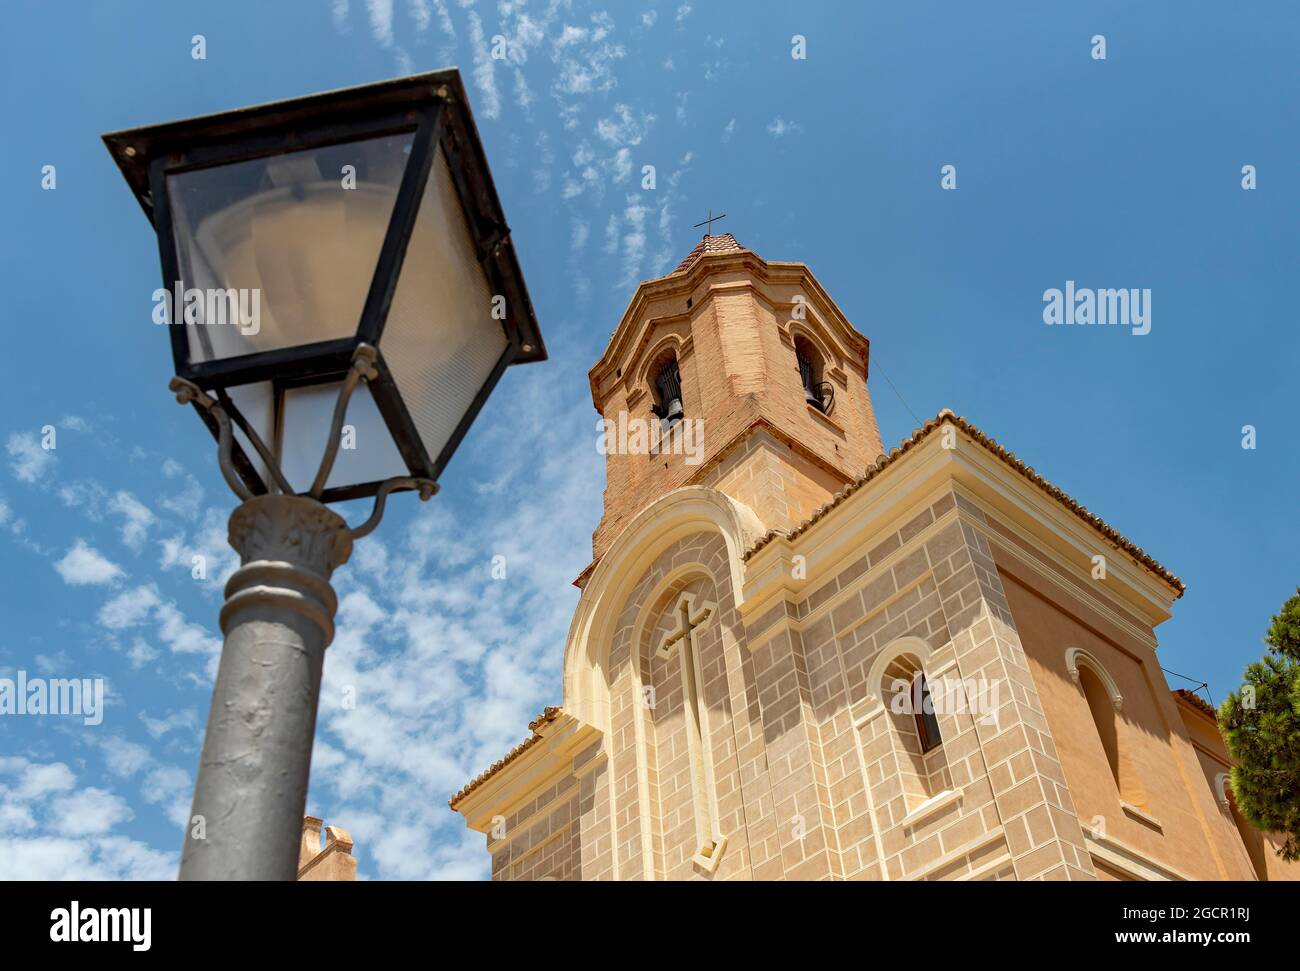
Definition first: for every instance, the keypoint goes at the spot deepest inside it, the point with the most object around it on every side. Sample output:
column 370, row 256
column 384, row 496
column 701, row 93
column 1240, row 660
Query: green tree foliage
column 1261, row 724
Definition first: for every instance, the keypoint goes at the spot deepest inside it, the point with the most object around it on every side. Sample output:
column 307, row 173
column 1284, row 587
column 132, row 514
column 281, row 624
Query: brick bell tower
column 748, row 379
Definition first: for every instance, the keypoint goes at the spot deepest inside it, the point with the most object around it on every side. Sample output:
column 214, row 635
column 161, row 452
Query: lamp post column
column 278, row 619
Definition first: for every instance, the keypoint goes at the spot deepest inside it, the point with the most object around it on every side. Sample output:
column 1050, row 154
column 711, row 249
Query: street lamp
column 342, row 295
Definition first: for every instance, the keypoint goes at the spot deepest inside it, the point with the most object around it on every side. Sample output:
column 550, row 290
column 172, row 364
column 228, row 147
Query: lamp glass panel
column 295, row 237
column 256, row 402
column 440, row 341
column 305, row 425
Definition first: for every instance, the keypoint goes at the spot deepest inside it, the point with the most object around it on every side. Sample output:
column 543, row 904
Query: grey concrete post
column 278, row 619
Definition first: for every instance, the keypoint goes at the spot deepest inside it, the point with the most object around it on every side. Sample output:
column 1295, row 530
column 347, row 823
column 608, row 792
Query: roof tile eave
column 1195, row 701
column 548, row 715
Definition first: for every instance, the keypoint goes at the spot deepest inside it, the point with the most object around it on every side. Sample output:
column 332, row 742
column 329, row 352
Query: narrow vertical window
column 927, row 725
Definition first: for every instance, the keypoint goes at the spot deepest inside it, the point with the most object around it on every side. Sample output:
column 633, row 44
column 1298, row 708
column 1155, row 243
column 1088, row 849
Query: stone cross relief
column 691, row 618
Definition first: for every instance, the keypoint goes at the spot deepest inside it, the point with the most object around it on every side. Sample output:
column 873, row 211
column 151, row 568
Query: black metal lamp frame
column 433, row 107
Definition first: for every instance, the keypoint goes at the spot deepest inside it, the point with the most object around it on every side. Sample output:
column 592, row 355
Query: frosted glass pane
column 307, row 416
column 256, row 402
column 441, row 342
column 287, row 229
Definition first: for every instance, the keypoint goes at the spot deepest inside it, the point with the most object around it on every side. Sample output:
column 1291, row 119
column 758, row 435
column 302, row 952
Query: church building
column 799, row 657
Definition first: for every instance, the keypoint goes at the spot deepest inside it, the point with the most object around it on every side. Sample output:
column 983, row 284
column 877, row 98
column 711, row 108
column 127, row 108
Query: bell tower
column 737, row 374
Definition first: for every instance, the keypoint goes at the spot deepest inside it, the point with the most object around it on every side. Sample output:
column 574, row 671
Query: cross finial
column 709, row 222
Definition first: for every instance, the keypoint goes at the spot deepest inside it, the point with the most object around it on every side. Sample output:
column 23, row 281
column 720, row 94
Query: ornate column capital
column 294, row 529
column 288, row 547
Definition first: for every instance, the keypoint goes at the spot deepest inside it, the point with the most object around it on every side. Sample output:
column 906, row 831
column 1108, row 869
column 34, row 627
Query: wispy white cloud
column 625, row 126
column 132, row 609
column 129, row 608
column 124, row 757
column 34, row 781
column 136, row 518
column 569, row 36
column 778, row 127
column 578, row 240
column 84, row 565
column 186, row 719
column 187, row 502
column 74, row 423
column 161, row 784
column 542, row 163
column 611, row 233
column 88, row 812
column 523, row 93
column 339, row 12
column 421, row 14
column 102, row 858
column 141, row 653
column 204, row 550
column 632, row 243
column 484, row 71
column 29, row 461
column 585, row 58
column 54, row 830
column 183, row 636
column 170, row 788
column 381, row 21
column 621, row 165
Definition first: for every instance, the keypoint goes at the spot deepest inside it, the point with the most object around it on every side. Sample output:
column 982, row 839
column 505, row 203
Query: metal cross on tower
column 709, row 222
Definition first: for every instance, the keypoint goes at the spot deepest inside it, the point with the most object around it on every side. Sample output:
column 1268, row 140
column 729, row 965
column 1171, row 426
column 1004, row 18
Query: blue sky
column 1117, row 173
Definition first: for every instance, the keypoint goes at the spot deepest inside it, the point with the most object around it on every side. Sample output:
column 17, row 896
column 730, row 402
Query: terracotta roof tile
column 1010, row 459
column 722, row 243
column 547, row 716
column 1194, row 700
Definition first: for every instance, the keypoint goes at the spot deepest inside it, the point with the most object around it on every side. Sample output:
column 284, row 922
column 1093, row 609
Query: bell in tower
column 668, row 382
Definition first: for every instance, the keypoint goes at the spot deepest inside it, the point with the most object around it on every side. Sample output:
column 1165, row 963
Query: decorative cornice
column 1008, row 458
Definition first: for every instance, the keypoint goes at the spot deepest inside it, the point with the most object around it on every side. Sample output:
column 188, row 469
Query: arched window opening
column 818, row 393
column 1102, row 704
column 921, row 765
column 667, row 392
column 1103, row 717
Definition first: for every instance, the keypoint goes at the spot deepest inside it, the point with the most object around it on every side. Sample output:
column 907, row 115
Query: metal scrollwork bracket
column 363, row 369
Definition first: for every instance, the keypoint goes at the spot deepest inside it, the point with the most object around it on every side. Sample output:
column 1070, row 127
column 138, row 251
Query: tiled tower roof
column 724, row 243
